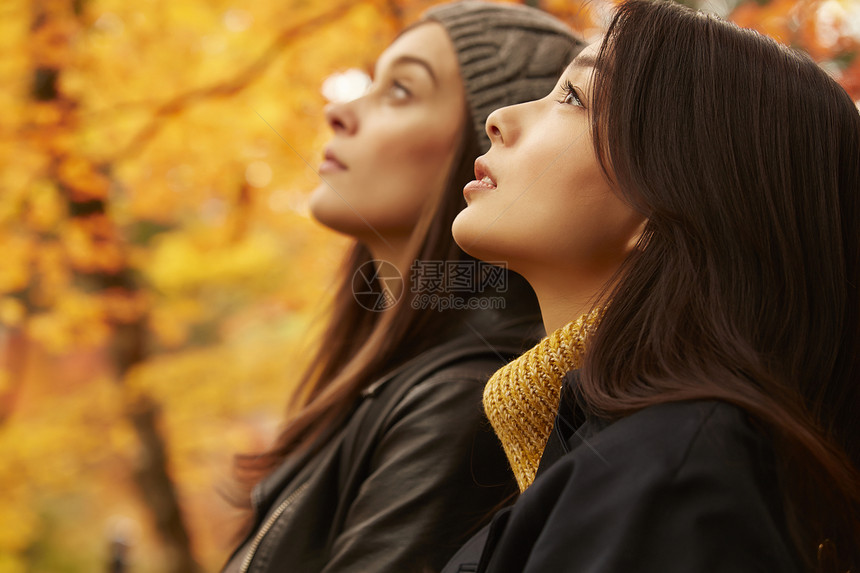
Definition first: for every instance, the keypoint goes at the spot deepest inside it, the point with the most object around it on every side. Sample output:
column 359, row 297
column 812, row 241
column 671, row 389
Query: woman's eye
column 570, row 95
column 398, row 91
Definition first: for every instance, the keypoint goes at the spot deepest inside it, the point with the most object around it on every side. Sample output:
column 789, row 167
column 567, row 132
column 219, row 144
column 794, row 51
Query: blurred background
column 161, row 282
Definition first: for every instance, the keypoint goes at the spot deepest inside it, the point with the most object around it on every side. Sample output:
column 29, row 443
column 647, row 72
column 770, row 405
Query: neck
column 562, row 301
column 396, row 256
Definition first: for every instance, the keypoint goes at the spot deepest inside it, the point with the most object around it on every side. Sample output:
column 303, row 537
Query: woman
column 386, row 462
column 691, row 190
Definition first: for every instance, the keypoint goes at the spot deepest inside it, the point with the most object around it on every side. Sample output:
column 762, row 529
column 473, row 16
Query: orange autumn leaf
column 92, row 245
column 82, row 180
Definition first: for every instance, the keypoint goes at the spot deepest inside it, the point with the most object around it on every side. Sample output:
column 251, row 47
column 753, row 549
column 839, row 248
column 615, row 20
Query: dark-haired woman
column 386, row 462
column 686, row 205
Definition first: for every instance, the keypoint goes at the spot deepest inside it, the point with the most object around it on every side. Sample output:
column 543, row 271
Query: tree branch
column 234, row 85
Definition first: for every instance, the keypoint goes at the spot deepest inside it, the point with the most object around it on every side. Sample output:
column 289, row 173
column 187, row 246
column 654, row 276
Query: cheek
column 411, row 171
column 421, row 157
column 591, row 231
column 399, row 171
column 552, row 224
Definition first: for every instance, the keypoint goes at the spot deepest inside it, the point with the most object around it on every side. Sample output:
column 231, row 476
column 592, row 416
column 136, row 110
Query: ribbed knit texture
column 508, row 54
column 521, row 399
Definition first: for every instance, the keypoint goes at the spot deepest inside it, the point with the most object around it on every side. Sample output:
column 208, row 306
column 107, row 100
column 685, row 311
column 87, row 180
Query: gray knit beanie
column 508, row 53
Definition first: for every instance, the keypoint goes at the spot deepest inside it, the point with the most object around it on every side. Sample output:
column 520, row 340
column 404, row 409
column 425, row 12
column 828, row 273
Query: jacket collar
column 470, row 332
column 572, row 427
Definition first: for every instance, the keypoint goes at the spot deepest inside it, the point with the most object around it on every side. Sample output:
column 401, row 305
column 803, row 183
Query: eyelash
column 568, row 91
column 397, row 85
column 387, row 86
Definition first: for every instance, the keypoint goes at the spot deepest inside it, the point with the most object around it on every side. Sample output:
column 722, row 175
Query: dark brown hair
column 745, row 158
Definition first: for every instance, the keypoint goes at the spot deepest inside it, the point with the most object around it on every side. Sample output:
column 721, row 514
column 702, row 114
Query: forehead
column 427, row 41
column 586, row 59
column 589, row 53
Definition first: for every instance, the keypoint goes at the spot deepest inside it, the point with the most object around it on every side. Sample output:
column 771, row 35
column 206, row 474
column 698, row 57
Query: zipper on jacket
column 252, row 550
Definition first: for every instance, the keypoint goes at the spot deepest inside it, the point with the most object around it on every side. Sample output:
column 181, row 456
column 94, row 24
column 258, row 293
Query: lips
column 483, row 174
column 484, row 180
column 331, row 163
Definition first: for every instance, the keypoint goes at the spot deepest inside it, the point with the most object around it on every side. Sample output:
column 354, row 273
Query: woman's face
column 393, row 148
column 540, row 201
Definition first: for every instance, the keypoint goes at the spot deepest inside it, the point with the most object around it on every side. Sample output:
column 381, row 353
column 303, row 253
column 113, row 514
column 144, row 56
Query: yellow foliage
column 52, row 273
column 588, row 18
column 92, row 245
column 51, row 40
column 65, row 431
column 45, row 207
column 82, row 179
column 122, row 306
column 19, row 166
column 18, row 525
column 45, row 114
column 77, row 320
column 12, row 311
column 15, row 270
column 170, row 321
column 12, row 563
column 180, row 263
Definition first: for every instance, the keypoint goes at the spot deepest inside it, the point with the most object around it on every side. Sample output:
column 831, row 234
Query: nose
column 502, row 125
column 341, row 118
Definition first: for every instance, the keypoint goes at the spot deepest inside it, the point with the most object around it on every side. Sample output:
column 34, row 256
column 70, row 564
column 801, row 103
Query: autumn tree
column 162, row 281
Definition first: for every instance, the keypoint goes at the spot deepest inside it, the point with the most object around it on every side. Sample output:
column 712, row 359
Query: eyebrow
column 415, row 60
column 584, row 61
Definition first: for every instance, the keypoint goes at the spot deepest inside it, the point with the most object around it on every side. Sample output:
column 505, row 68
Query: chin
column 331, row 211
column 460, row 230
column 494, row 245
column 334, row 220
column 468, row 235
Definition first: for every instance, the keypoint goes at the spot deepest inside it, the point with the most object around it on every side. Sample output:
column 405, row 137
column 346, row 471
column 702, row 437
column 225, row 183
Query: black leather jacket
column 414, row 471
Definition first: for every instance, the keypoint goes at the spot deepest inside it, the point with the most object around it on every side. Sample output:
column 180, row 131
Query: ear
column 637, row 239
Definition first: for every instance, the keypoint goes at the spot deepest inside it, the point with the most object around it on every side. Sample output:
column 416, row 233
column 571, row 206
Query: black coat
column 688, row 487
column 413, row 472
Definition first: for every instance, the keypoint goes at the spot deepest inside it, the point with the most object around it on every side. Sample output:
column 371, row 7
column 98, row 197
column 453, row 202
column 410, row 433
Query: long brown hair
column 745, row 158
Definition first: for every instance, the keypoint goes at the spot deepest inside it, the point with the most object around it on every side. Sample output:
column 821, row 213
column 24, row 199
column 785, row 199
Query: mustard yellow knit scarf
column 521, row 399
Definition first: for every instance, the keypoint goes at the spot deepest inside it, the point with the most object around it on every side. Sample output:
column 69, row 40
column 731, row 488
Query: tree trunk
column 53, row 23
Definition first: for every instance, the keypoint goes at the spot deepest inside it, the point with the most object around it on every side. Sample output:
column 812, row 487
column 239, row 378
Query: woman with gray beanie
column 385, row 461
